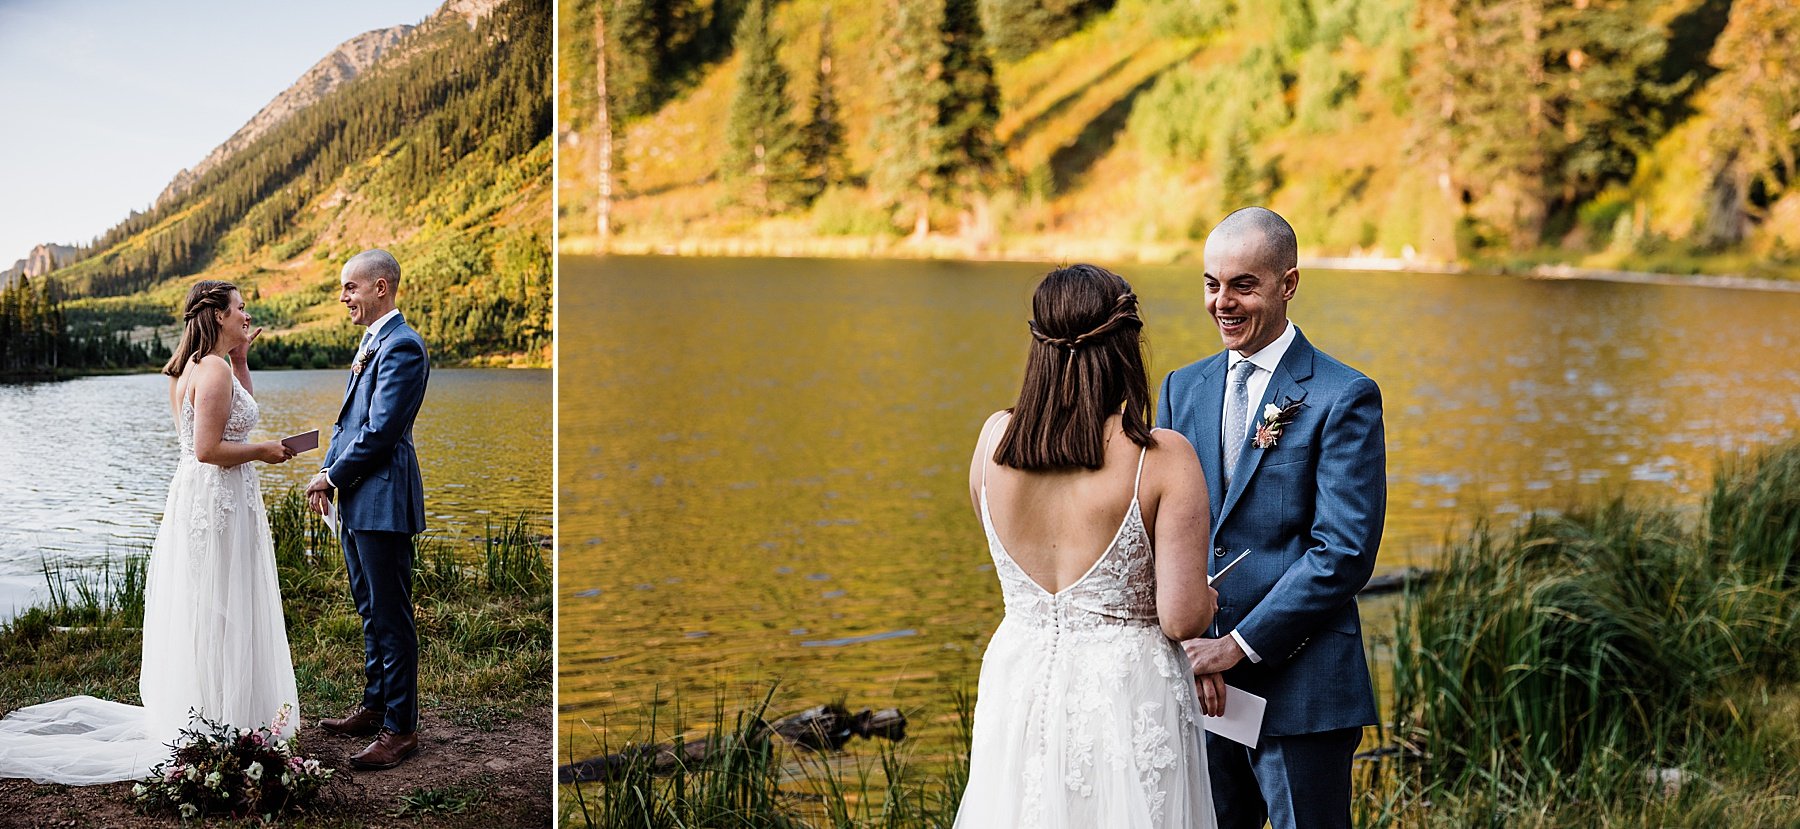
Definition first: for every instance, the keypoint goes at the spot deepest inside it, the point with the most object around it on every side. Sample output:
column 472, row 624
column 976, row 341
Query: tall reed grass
column 102, row 602
column 509, row 559
column 1567, row 664
column 106, row 593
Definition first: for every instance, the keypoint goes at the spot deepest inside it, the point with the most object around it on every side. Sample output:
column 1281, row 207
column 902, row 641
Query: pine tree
column 635, row 57
column 966, row 153
column 1016, row 28
column 822, row 141
column 911, row 74
column 935, row 135
column 1236, row 177
column 1540, row 105
column 763, row 162
column 1755, row 135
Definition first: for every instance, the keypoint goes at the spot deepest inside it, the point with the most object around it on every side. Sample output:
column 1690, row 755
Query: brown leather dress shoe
column 361, row 723
column 386, row 752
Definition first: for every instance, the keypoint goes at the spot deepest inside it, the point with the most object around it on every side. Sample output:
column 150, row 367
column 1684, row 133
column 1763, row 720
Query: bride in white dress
column 1087, row 715
column 215, row 644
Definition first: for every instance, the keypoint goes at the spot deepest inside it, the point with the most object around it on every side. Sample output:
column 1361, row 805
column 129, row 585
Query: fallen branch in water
column 815, row 729
column 1397, row 580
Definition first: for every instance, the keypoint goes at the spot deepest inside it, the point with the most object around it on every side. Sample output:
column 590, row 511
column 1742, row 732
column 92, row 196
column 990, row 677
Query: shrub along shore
column 482, row 609
column 1623, row 666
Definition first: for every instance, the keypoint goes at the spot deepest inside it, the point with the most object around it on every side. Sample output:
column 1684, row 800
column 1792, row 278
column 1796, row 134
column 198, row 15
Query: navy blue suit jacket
column 1310, row 510
column 371, row 459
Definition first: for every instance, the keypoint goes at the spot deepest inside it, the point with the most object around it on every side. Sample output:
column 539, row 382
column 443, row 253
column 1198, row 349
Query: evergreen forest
column 1604, row 133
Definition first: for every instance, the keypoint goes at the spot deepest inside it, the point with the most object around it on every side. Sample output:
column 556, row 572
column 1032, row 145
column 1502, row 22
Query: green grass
column 483, row 615
column 454, row 799
column 750, row 780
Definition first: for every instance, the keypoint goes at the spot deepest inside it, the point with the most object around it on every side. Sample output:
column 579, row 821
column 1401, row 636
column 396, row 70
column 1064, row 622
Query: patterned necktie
column 1237, row 421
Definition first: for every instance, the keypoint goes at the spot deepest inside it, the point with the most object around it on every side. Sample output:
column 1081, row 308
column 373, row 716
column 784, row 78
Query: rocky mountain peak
column 350, row 59
column 471, row 11
column 42, row 260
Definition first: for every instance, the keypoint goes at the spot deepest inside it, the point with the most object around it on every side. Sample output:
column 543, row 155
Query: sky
column 103, row 101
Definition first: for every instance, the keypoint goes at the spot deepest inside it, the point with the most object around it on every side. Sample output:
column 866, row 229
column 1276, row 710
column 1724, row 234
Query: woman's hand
column 242, row 349
column 273, row 451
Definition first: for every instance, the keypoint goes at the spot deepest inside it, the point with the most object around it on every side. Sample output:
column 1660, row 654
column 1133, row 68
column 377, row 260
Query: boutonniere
column 362, row 359
column 1274, row 417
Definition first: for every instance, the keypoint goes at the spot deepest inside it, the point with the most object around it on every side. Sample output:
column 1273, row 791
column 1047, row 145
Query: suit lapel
column 374, row 345
column 1212, row 453
column 1284, row 385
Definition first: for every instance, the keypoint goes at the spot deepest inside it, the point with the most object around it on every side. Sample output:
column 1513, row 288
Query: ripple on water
column 857, row 640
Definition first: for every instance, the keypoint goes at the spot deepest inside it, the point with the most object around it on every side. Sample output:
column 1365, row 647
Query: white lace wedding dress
column 1086, row 715
column 214, row 639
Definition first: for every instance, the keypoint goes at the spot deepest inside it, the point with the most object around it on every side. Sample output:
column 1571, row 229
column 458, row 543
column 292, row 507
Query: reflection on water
column 85, row 464
column 764, row 461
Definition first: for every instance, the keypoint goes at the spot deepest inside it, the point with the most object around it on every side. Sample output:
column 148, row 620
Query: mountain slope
column 438, row 151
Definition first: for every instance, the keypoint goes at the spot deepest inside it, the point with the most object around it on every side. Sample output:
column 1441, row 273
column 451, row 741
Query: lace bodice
column 1086, row 714
column 1118, row 590
column 238, row 424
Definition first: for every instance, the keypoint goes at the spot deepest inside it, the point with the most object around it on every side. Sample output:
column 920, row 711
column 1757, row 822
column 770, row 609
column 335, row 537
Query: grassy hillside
column 440, row 153
column 1131, row 136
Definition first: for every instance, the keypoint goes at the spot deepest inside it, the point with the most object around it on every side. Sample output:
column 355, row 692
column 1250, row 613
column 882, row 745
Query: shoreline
column 7, row 379
column 1040, row 249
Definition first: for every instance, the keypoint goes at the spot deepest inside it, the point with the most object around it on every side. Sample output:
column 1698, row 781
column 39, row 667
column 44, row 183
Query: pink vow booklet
column 303, row 442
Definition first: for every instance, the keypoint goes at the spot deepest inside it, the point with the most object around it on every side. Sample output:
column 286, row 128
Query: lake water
column 763, row 462
column 85, row 464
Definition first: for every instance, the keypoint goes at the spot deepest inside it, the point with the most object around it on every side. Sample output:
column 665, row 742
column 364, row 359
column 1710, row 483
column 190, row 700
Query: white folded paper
column 1243, row 717
column 330, row 517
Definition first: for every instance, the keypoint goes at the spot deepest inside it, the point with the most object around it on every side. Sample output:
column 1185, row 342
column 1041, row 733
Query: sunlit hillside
column 440, row 152
column 1625, row 133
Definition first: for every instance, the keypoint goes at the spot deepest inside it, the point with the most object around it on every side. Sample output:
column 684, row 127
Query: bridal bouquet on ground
column 219, row 768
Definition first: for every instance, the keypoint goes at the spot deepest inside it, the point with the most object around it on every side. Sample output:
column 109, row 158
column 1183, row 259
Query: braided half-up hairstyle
column 1086, row 364
column 199, row 325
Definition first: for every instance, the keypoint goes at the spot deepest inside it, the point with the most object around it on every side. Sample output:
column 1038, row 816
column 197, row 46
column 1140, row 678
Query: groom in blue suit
column 1295, row 461
column 374, row 471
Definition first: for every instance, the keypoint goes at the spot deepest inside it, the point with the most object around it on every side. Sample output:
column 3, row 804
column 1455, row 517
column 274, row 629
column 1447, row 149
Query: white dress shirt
column 1265, row 361
column 382, row 321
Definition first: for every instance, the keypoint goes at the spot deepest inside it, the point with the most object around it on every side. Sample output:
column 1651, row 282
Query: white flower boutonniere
column 1268, row 432
column 362, row 359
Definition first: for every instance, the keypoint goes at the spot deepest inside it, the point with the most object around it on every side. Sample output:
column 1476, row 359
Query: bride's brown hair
column 1086, row 363
column 200, row 328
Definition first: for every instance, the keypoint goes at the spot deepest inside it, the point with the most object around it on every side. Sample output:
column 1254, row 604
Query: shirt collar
column 1270, row 356
column 376, row 326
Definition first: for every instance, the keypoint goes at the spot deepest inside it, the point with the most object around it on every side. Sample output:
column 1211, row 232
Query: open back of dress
column 1086, row 713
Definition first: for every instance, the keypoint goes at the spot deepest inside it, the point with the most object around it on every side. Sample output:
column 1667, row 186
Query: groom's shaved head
column 374, row 264
column 1277, row 244
column 1252, row 271
column 367, row 285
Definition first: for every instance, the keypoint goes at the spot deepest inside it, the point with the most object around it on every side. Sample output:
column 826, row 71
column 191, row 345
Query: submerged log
column 820, row 728
column 1397, row 580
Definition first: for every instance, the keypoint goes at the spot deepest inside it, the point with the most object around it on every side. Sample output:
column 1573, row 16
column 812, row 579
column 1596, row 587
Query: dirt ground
column 459, row 777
